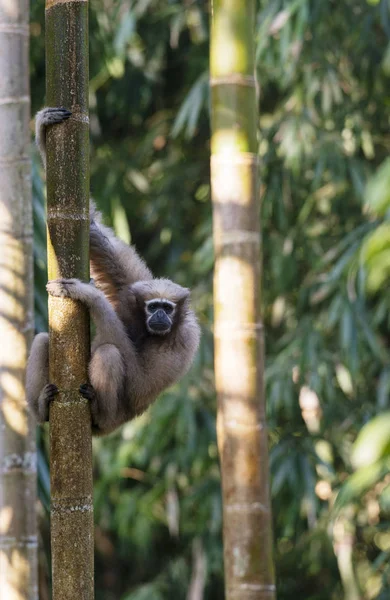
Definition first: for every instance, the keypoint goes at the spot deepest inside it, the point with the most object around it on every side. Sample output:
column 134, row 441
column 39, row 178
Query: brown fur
column 129, row 366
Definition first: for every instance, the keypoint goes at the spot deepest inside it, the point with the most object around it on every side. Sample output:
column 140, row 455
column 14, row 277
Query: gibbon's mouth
column 159, row 329
column 159, row 323
column 158, row 326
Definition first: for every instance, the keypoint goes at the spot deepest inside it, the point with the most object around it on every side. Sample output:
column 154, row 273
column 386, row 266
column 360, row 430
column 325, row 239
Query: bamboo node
column 52, row 3
column 234, row 424
column 14, row 160
column 254, row 587
column 24, row 541
column 15, row 29
column 230, row 330
column 244, row 507
column 19, row 462
column 234, row 79
column 54, row 213
column 238, row 236
column 82, row 505
column 240, row 158
column 14, row 99
column 67, row 403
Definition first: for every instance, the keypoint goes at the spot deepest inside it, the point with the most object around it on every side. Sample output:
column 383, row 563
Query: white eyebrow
column 160, row 301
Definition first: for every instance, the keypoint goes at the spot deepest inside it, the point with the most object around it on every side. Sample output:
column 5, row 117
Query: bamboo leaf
column 377, row 193
column 189, row 112
column 361, row 482
column 373, row 442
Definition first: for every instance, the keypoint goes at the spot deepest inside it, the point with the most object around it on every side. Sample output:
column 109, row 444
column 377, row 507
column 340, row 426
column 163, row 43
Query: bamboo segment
column 68, row 256
column 239, row 345
column 18, row 537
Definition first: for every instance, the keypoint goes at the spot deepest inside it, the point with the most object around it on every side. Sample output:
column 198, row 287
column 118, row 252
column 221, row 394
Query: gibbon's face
column 159, row 315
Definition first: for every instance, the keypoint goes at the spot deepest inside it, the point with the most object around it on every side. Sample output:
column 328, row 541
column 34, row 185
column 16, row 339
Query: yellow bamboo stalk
column 241, row 425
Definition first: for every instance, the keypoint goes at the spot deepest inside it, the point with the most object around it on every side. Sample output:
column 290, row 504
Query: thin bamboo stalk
column 242, row 432
column 18, row 538
column 68, row 256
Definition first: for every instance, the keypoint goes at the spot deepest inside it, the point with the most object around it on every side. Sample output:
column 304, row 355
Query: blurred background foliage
column 323, row 71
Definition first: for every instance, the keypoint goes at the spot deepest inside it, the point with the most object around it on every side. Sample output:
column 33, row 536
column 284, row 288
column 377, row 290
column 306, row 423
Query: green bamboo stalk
column 18, row 538
column 241, row 425
column 68, row 256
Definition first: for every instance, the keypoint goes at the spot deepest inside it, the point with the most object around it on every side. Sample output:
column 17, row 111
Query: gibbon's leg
column 106, row 368
column 39, row 391
column 45, row 117
column 109, row 328
column 106, row 374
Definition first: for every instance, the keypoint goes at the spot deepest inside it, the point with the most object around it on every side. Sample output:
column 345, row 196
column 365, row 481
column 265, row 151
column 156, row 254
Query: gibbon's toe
column 87, row 391
column 50, row 390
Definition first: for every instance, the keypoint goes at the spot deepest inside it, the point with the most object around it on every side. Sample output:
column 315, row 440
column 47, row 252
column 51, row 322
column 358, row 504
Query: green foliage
column 362, row 482
column 373, row 441
column 376, row 249
column 324, row 145
column 378, row 190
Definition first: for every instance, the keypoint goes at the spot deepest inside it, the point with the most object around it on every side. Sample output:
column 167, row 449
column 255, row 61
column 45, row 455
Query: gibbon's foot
column 87, row 391
column 46, row 396
column 62, row 288
column 51, row 116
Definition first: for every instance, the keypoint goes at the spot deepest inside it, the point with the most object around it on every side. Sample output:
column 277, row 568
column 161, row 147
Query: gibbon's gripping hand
column 44, row 118
column 51, row 116
column 63, row 288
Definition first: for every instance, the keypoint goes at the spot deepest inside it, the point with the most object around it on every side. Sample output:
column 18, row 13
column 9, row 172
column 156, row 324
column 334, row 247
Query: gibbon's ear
column 182, row 295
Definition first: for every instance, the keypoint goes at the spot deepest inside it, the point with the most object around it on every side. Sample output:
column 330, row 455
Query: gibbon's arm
column 38, row 389
column 109, row 328
column 114, row 264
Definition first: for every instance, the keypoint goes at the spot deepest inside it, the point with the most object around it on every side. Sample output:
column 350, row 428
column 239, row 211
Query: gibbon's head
column 160, row 313
column 161, row 300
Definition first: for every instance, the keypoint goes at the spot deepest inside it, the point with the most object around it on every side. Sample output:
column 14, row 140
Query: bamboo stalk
column 239, row 338
column 18, row 538
column 68, row 256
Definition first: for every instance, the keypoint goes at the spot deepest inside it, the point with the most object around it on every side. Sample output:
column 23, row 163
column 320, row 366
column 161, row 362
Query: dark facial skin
column 159, row 316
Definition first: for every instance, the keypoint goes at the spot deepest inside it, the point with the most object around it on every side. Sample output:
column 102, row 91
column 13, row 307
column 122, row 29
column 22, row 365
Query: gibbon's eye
column 167, row 307
column 153, row 306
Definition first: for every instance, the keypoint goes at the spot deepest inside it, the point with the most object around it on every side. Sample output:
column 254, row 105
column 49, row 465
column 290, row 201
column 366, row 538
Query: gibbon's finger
column 64, row 280
column 56, row 109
